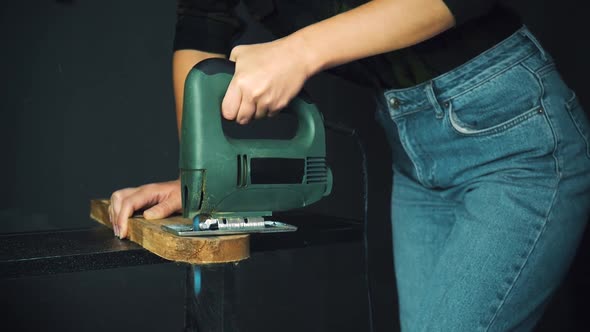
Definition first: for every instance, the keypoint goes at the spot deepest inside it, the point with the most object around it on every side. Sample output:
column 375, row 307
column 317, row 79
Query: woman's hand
column 266, row 78
column 162, row 199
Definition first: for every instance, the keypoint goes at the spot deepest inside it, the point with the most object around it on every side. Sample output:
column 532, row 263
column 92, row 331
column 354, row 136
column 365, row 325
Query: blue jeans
column 491, row 189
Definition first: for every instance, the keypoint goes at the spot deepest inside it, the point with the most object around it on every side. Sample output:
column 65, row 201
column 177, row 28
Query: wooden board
column 193, row 250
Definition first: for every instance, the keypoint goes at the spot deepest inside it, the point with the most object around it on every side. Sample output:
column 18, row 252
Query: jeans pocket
column 580, row 120
column 467, row 130
column 496, row 105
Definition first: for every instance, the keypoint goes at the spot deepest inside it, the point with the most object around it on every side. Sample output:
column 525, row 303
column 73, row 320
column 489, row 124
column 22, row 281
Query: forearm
column 376, row 27
column 182, row 62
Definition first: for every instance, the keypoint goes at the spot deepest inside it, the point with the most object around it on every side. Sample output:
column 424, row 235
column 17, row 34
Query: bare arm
column 269, row 75
column 376, row 27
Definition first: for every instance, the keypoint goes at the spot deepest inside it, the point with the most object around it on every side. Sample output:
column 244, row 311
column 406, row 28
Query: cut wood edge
column 193, row 250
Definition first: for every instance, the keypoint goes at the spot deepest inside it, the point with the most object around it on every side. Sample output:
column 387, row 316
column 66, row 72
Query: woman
column 490, row 147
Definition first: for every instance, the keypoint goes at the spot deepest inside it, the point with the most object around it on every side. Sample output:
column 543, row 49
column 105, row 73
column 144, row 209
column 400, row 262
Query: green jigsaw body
column 223, row 176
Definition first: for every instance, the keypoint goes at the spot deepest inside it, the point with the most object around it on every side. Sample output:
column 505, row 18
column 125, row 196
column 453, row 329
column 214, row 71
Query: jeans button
column 394, row 102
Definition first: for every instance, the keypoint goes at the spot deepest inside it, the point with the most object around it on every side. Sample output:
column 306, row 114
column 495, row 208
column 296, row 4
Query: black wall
column 86, row 108
column 86, row 105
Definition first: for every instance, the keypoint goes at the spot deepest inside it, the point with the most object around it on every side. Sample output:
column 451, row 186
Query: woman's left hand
column 266, row 78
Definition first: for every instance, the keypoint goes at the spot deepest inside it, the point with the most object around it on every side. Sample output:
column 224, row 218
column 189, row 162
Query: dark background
column 87, row 108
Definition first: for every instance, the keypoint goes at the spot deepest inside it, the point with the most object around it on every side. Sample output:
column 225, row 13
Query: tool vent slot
column 239, row 168
column 242, row 170
column 316, row 170
column 282, row 126
column 201, row 199
column 185, row 202
column 277, row 170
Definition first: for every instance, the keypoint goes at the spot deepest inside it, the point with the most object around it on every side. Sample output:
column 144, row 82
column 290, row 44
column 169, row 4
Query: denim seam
column 548, row 119
column 570, row 105
column 514, row 64
column 539, row 72
column 545, row 221
column 544, row 69
column 410, row 154
column 402, row 114
column 526, row 260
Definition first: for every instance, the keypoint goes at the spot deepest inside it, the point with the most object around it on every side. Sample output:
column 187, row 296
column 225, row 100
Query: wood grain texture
column 193, row 250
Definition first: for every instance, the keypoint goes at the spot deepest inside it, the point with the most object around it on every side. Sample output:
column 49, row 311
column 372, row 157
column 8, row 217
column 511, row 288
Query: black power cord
column 346, row 131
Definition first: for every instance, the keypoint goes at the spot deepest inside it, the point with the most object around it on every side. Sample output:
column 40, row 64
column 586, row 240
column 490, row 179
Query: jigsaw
column 232, row 186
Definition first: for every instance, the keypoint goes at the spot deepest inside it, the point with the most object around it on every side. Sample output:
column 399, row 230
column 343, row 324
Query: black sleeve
column 206, row 25
column 465, row 10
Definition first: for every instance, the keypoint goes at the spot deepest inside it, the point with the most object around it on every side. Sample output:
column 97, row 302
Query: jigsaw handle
column 301, row 106
column 215, row 66
column 205, row 88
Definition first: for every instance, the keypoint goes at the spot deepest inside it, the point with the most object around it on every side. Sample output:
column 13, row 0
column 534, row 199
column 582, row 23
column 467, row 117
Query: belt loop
column 429, row 89
column 527, row 33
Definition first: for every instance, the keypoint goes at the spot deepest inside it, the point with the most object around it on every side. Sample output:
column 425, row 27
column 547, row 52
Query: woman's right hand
column 162, row 199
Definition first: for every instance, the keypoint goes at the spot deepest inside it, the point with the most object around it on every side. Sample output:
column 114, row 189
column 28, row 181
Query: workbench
column 95, row 248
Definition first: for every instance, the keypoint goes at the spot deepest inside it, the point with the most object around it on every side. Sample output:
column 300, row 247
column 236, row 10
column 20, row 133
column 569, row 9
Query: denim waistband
column 518, row 47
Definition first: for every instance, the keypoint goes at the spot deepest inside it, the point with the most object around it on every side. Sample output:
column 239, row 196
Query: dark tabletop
column 50, row 252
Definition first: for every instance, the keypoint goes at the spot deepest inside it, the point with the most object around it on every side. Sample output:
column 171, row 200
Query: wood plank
column 193, row 250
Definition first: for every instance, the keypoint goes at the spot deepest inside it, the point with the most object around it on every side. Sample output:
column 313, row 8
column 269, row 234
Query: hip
column 507, row 111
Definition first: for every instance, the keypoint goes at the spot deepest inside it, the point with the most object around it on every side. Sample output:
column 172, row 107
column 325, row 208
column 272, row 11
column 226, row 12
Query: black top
column 212, row 25
column 64, row 251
